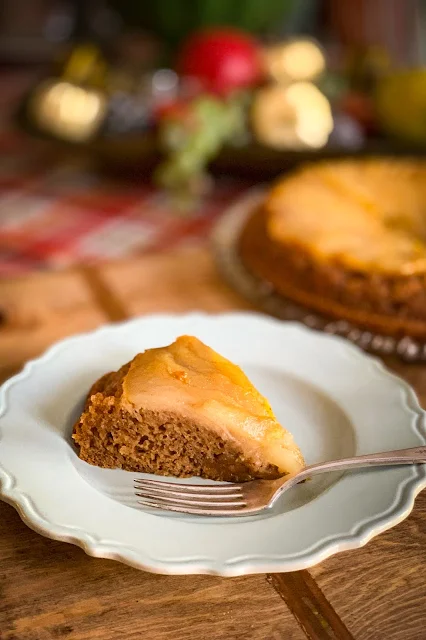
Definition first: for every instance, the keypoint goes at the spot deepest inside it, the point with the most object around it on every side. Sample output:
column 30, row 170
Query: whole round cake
column 347, row 239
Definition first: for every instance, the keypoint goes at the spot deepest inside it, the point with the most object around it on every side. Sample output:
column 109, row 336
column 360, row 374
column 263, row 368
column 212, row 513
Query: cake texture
column 347, row 239
column 184, row 410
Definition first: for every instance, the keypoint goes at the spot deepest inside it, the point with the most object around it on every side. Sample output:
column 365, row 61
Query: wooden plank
column 51, row 590
column 42, row 308
column 309, row 606
column 175, row 282
column 379, row 591
column 114, row 309
column 38, row 310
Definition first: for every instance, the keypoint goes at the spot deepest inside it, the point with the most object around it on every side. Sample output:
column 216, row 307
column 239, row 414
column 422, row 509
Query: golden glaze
column 197, row 382
column 368, row 215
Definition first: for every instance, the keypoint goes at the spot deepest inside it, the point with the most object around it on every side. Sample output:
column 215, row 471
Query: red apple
column 221, row 60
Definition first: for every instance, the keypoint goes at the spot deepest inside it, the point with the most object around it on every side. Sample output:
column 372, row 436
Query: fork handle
column 384, row 459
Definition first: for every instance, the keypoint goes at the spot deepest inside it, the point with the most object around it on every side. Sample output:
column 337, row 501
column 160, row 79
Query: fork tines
column 190, row 498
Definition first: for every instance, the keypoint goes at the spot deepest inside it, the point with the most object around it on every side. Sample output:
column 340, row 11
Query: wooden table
column 53, row 590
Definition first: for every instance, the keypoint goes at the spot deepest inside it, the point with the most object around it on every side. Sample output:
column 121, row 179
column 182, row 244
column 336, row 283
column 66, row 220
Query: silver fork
column 247, row 498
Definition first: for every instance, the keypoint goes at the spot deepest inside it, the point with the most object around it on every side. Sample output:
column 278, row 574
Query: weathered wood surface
column 52, row 590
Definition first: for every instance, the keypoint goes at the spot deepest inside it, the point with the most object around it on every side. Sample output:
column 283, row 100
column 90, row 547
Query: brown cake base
column 109, row 435
column 390, row 305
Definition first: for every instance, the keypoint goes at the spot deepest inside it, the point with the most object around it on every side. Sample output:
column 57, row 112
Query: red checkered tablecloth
column 57, row 212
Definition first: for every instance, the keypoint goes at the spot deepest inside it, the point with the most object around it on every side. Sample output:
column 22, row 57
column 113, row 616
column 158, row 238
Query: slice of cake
column 184, row 410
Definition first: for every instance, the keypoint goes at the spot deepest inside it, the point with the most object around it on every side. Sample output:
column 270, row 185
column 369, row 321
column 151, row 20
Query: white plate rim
column 359, row 535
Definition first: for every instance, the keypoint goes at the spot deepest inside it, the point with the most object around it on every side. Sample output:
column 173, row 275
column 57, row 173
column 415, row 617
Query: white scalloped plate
column 335, row 399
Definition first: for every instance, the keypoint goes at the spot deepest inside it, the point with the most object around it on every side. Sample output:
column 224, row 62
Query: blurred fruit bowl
column 131, row 155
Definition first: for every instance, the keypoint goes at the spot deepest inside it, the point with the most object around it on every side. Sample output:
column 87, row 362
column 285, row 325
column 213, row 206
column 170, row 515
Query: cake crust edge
column 392, row 305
